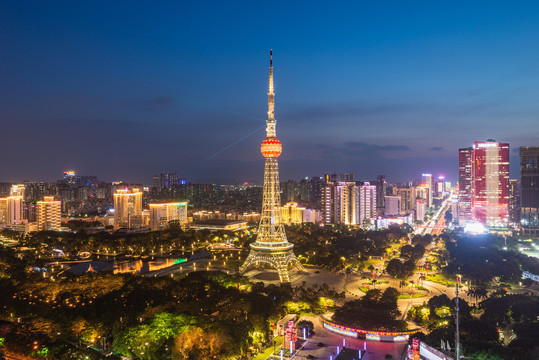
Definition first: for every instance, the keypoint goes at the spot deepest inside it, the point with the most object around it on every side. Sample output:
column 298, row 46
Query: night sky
column 124, row 90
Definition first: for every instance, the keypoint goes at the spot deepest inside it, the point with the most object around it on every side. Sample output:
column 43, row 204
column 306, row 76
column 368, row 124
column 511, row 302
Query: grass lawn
column 441, row 313
column 440, row 279
column 406, row 296
column 367, row 263
column 267, row 352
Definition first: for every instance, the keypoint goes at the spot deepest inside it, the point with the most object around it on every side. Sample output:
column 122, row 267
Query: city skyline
column 365, row 89
column 247, row 180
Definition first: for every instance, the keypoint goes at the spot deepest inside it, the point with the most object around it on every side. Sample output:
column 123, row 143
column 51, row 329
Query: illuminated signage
column 369, row 334
column 486, row 145
column 400, row 338
column 372, row 337
column 340, row 330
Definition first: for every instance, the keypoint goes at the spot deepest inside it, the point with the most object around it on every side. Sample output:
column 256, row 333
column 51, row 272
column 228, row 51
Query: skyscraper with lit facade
column 368, row 198
column 514, row 200
column 407, row 195
column 271, row 246
column 161, row 214
column 340, row 203
column 18, row 190
column 70, row 178
column 12, row 207
column 490, row 183
column 49, row 214
column 168, row 180
column 429, row 180
column 127, row 203
column 529, row 190
column 393, row 205
column 465, row 185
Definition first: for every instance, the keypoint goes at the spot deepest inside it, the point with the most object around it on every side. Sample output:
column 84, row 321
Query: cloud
column 353, row 150
column 361, row 146
column 436, row 148
column 347, row 110
column 156, row 104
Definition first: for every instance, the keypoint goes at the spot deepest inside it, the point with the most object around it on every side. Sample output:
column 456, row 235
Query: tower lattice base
column 277, row 259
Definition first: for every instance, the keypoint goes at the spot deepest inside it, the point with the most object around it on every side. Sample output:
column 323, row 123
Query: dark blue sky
column 123, row 90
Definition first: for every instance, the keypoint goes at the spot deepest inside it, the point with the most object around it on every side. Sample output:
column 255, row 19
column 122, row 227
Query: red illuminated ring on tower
column 271, row 148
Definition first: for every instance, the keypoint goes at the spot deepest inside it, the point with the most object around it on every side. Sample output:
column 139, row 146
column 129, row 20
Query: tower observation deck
column 271, row 246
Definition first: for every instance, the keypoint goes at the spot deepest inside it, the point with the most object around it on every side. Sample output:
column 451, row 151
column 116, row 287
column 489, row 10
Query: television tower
column 271, row 246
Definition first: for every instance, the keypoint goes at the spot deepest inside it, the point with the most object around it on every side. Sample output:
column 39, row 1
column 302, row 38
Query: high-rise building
column 440, row 186
column 70, row 178
column 465, row 186
column 429, row 180
column 87, row 181
column 168, row 180
column 163, row 213
column 49, row 214
column 155, row 186
column 3, row 211
column 340, row 203
column 393, row 205
column 289, row 191
column 420, row 209
column 12, row 207
column 316, row 192
column 367, row 203
column 291, row 213
column 18, row 190
column 15, row 209
column 407, row 195
column 381, row 187
column 304, row 190
column 529, row 190
column 514, row 200
column 271, row 246
column 127, row 203
column 423, row 192
column 490, row 183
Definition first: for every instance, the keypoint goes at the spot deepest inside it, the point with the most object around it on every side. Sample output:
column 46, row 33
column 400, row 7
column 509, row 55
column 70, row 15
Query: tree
column 416, row 239
column 407, row 251
column 194, row 343
column 407, row 268
column 374, row 311
column 418, row 251
column 481, row 293
column 394, row 267
column 305, row 324
column 427, row 239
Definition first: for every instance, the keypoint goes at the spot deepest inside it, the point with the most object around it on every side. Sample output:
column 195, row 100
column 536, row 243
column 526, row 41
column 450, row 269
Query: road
column 436, row 224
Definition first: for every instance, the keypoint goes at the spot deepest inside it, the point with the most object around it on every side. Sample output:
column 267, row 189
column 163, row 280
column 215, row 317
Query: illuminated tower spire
column 270, row 123
column 271, row 246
